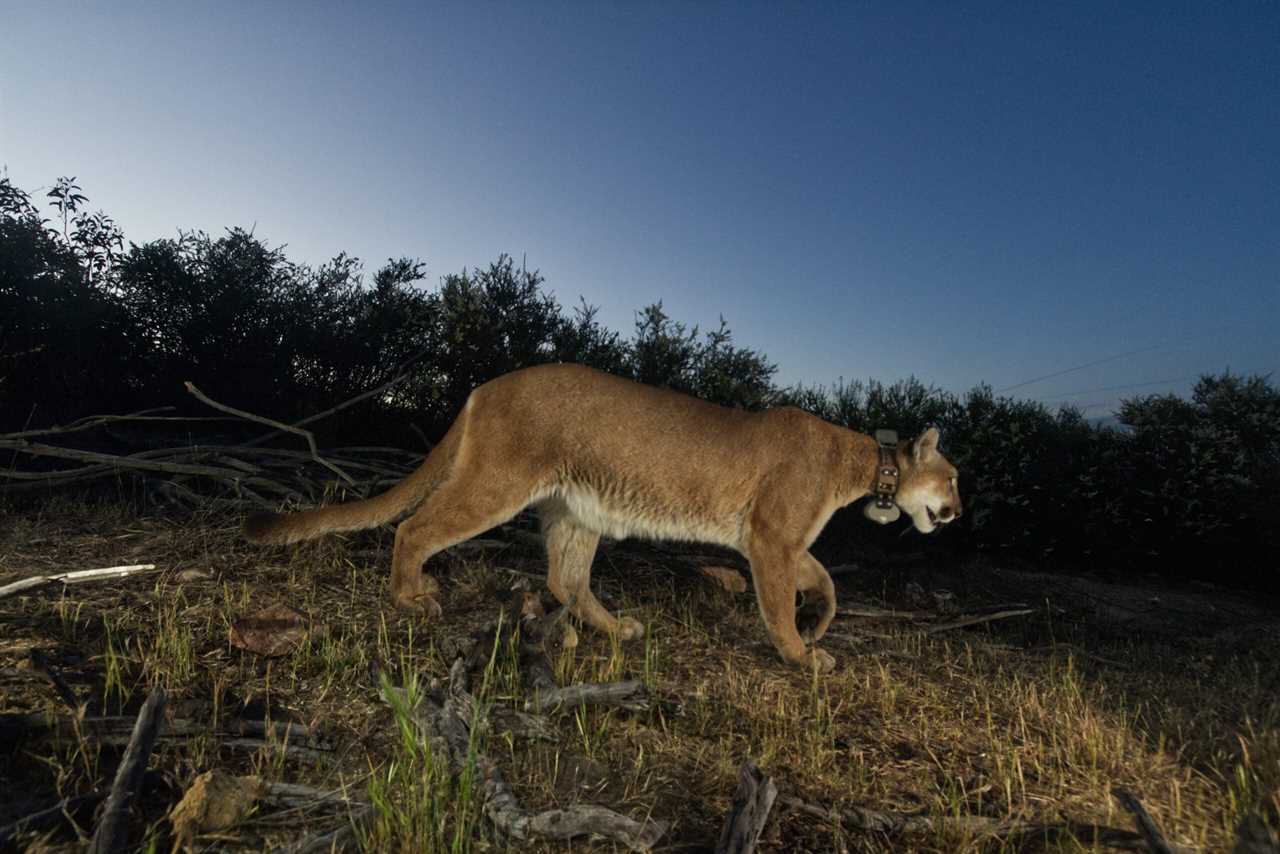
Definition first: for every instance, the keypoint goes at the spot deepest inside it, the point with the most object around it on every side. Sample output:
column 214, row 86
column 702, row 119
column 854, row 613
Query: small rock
column 215, row 801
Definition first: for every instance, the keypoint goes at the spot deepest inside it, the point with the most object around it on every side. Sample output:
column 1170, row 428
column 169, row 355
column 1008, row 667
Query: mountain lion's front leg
column 570, row 550
column 814, row 579
column 776, row 571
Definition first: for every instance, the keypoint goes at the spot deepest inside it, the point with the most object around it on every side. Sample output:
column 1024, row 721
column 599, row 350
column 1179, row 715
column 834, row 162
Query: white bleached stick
column 74, row 577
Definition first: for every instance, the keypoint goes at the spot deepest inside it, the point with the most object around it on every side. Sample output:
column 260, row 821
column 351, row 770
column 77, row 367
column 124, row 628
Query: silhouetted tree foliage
column 1187, row 487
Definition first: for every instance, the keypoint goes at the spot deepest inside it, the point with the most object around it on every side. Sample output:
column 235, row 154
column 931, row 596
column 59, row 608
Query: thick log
column 112, row 832
column 750, row 812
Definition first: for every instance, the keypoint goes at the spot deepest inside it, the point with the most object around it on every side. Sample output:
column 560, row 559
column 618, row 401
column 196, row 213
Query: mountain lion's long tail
column 281, row 528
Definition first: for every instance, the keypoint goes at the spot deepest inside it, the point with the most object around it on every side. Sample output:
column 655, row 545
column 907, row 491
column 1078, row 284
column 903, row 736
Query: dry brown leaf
column 215, row 801
column 725, row 578
column 270, row 632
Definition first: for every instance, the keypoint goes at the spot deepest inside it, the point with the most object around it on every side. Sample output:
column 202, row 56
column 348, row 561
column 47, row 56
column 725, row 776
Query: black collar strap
column 882, row 509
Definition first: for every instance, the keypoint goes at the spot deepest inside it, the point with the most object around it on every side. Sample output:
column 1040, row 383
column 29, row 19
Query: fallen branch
column 447, row 730
column 343, row 838
column 297, row 796
column 505, row 811
column 44, row 818
column 975, row 620
column 399, row 375
column 1145, row 823
column 288, row 428
column 870, row 613
column 112, row 833
column 41, row 663
column 501, row 719
column 750, row 812
column 894, row 823
column 92, row 421
column 293, row 739
column 630, row 695
column 74, row 577
column 297, row 751
column 140, row 461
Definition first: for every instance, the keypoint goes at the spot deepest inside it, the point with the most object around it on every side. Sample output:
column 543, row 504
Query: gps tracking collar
column 882, row 509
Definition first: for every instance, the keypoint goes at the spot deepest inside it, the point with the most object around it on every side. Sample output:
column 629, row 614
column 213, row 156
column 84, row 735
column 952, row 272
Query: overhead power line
column 1187, row 378
column 1079, row 368
column 1119, row 387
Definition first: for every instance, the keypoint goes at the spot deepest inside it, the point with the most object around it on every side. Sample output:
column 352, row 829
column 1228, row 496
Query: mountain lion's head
column 928, row 491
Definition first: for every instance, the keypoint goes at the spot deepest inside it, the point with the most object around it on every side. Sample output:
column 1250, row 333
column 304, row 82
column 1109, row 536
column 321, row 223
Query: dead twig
column 975, row 620
column 92, row 421
column 41, row 663
column 112, row 833
column 74, row 577
column 288, row 428
column 869, row 613
column 894, row 823
column 50, row 815
column 630, row 695
column 297, row 751
column 297, row 796
column 399, row 375
column 343, row 838
column 750, row 812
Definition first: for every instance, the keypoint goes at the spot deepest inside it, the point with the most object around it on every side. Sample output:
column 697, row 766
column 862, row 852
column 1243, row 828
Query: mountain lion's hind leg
column 457, row 510
column 816, row 616
column 570, row 549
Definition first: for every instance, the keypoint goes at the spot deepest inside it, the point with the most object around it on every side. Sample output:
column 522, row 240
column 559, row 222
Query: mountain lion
column 598, row 455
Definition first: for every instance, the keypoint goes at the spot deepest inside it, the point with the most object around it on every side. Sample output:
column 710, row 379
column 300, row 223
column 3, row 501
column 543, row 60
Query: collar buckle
column 883, row 509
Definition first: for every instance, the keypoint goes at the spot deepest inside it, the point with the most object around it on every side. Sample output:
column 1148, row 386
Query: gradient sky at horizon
column 992, row 194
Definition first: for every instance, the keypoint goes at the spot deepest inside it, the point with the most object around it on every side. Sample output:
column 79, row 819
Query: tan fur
column 599, row 455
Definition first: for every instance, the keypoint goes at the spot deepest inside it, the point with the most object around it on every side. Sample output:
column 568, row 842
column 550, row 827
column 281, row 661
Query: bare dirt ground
column 1006, row 735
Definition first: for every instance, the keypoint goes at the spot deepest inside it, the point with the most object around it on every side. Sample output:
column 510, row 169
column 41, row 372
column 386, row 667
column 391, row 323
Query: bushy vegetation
column 87, row 326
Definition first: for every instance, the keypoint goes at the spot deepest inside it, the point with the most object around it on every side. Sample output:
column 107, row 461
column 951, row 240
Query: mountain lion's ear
column 926, row 446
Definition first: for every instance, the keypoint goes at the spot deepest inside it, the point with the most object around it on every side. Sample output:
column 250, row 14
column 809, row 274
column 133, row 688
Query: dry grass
column 1035, row 719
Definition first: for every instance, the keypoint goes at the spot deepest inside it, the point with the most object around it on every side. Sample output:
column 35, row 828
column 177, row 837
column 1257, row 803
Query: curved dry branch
column 288, row 428
column 401, row 374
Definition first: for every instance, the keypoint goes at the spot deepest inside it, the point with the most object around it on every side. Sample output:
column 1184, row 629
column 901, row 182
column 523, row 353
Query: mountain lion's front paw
column 629, row 628
column 421, row 604
column 822, row 660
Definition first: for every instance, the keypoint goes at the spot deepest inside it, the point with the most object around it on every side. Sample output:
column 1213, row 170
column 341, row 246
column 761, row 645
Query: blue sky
column 982, row 193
